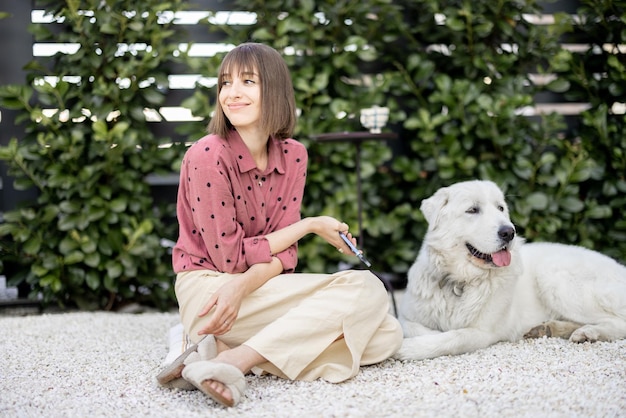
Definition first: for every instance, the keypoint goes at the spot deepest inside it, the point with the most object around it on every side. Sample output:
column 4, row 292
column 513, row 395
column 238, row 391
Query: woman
column 238, row 209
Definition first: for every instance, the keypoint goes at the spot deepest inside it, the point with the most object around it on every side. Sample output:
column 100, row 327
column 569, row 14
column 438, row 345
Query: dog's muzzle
column 502, row 257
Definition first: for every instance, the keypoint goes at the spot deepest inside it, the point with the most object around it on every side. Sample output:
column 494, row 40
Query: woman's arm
column 326, row 227
column 227, row 300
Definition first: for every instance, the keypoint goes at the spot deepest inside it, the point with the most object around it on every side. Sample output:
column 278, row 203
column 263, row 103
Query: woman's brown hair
column 278, row 104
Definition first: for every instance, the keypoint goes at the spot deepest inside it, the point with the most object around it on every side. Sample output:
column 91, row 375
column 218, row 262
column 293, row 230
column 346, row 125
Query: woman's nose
column 235, row 89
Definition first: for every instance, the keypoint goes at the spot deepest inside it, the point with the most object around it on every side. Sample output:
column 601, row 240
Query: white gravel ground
column 104, row 365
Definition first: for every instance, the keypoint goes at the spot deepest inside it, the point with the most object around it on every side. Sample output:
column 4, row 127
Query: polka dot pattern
column 227, row 205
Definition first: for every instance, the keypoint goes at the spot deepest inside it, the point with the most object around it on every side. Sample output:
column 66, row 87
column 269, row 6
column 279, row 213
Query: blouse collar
column 244, row 158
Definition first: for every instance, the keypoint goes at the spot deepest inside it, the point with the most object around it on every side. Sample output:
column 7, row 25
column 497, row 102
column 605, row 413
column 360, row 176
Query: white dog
column 475, row 283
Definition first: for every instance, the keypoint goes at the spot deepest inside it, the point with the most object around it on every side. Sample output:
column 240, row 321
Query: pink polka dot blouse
column 226, row 205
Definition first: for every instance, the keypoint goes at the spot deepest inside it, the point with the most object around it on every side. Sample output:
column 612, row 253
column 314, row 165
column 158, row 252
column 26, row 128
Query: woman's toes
column 221, row 388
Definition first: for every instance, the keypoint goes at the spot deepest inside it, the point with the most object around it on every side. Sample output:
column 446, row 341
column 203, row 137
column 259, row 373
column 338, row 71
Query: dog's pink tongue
column 501, row 258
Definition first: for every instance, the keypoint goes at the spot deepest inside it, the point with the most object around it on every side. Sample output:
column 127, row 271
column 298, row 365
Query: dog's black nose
column 506, row 233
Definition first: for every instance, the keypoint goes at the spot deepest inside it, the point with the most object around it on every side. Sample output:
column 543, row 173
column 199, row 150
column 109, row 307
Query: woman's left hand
column 328, row 228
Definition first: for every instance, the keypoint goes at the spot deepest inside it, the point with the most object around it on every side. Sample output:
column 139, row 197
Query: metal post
column 359, row 196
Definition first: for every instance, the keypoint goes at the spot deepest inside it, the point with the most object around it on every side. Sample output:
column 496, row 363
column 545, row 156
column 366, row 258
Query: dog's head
column 470, row 221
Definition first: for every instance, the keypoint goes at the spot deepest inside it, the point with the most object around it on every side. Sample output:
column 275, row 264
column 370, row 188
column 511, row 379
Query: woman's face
column 240, row 98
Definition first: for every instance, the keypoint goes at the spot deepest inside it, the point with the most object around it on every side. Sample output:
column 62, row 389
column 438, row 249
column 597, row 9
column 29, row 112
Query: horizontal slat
column 189, row 17
column 162, row 179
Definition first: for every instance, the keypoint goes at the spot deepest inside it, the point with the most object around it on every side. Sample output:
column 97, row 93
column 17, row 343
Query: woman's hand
column 328, row 228
column 225, row 304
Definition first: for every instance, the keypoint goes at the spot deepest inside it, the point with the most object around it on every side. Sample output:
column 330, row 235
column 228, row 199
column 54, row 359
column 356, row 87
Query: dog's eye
column 501, row 208
column 473, row 210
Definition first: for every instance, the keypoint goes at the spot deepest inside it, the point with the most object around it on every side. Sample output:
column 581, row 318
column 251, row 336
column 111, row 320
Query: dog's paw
column 554, row 328
column 585, row 334
column 417, row 348
column 539, row 331
column 404, row 354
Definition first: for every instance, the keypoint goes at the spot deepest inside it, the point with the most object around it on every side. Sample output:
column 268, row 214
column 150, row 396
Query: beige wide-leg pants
column 296, row 321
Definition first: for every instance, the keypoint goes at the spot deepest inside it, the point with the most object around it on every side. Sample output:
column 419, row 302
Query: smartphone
column 355, row 250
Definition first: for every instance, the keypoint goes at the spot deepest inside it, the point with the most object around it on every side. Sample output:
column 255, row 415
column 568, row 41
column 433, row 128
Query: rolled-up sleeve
column 257, row 250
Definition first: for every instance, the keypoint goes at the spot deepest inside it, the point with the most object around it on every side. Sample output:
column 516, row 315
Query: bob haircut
column 278, row 104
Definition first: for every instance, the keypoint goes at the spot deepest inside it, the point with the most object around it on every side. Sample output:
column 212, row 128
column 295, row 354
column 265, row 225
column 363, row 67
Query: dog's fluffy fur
column 475, row 282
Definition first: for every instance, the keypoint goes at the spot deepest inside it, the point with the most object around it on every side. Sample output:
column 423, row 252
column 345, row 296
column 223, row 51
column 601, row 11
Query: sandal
column 171, row 375
column 200, row 374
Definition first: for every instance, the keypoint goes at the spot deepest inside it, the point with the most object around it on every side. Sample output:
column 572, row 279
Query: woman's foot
column 223, row 378
column 222, row 382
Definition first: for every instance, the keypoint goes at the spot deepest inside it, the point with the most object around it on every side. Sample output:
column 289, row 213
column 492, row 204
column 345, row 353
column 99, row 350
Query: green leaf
column 572, row 204
column 74, row 257
column 136, row 26
column 93, row 259
column 67, row 206
column 152, row 96
column 32, row 245
column 92, row 279
column 107, row 28
column 88, row 246
column 51, row 281
column 581, row 174
column 67, row 245
column 538, row 201
column 560, row 85
column 599, row 212
column 455, row 24
column 114, row 269
column 39, row 270
column 118, row 205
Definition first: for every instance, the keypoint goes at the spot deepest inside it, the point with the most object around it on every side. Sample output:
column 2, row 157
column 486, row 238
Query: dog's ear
column 432, row 206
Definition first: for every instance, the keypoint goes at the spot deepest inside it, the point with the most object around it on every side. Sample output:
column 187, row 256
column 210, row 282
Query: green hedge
column 92, row 238
column 455, row 87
